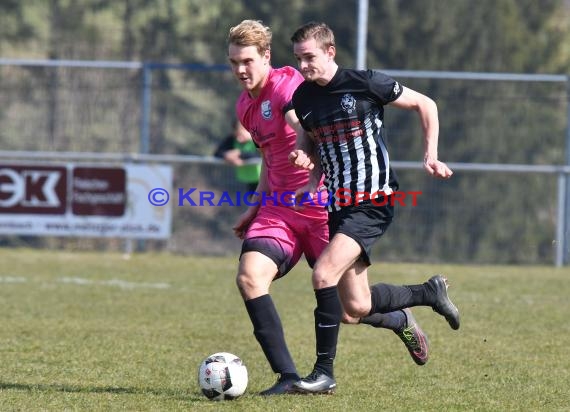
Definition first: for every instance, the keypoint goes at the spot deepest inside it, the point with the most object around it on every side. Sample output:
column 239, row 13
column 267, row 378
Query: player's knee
column 349, row 320
column 244, row 282
column 356, row 309
column 250, row 285
column 321, row 279
column 325, row 273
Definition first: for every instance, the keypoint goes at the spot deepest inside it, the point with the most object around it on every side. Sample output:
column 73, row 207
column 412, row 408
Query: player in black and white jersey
column 346, row 125
column 342, row 111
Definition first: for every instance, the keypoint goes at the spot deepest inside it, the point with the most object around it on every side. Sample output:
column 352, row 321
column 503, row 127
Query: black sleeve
column 224, row 146
column 384, row 88
column 295, row 105
column 250, row 155
column 288, row 106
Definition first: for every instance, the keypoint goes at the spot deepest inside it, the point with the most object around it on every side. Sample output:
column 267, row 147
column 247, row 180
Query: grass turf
column 100, row 332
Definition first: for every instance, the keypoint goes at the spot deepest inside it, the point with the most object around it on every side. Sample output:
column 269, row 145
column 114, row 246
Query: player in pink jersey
column 275, row 233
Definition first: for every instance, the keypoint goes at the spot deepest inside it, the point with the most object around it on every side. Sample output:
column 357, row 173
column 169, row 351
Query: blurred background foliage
column 506, row 35
column 488, row 217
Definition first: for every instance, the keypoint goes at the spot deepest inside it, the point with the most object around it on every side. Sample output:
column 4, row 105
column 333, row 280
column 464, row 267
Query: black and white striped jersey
column 345, row 118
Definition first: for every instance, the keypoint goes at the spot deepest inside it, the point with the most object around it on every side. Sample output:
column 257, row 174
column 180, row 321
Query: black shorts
column 365, row 223
column 274, row 250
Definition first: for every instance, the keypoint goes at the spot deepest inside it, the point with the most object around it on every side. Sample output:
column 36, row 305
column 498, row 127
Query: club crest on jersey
column 348, row 103
column 266, row 109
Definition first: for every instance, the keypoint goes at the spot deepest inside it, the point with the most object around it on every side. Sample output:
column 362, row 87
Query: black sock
column 388, row 298
column 392, row 320
column 289, row 376
column 328, row 314
column 268, row 331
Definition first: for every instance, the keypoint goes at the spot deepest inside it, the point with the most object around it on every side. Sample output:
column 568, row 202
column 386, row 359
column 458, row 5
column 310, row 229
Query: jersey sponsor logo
column 266, row 110
column 339, row 132
column 348, row 103
column 304, row 116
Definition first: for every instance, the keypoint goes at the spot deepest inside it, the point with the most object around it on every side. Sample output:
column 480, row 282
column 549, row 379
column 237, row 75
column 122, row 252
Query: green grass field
column 99, row 332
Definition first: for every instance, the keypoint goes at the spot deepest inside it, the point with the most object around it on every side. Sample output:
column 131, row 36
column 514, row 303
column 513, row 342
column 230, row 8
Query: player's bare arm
column 300, row 157
column 427, row 111
column 316, row 173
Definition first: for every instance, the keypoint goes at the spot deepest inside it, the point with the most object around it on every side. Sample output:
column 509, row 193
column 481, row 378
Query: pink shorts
column 284, row 234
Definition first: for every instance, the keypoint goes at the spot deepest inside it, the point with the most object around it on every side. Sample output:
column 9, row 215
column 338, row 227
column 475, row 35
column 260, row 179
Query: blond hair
column 251, row 33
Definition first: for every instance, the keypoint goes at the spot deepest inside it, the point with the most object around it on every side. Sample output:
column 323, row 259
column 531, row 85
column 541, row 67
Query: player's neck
column 329, row 74
column 255, row 92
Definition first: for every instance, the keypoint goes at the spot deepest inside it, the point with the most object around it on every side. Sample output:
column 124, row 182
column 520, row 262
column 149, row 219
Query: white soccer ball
column 222, row 376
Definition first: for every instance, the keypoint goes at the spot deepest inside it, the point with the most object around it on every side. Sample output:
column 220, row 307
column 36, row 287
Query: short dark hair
column 314, row 30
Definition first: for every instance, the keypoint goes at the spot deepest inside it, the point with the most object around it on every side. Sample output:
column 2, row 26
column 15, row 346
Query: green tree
column 481, row 121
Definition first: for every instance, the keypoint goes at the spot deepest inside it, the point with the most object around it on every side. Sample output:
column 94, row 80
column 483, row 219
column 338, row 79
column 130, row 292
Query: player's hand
column 243, row 222
column 232, row 156
column 437, row 169
column 307, row 194
column 302, row 195
column 300, row 159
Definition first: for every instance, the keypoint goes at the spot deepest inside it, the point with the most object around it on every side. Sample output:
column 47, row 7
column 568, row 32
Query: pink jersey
column 264, row 117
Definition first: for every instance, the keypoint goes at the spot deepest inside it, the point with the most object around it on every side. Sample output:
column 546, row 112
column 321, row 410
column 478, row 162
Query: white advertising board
column 84, row 200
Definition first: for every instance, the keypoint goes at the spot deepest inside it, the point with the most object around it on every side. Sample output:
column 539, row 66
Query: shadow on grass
column 102, row 389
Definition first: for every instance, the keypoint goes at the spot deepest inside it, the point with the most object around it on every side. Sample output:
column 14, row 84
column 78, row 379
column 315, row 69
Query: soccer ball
column 222, row 376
